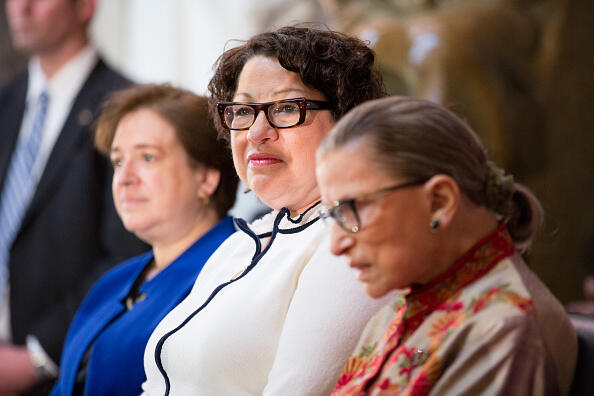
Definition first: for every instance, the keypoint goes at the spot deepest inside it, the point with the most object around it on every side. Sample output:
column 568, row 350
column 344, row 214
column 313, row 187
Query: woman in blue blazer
column 173, row 184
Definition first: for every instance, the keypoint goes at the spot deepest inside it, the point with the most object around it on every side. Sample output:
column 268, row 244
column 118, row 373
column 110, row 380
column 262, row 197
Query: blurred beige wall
column 178, row 42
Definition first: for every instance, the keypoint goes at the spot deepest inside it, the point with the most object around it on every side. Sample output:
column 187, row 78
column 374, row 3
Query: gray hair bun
column 499, row 190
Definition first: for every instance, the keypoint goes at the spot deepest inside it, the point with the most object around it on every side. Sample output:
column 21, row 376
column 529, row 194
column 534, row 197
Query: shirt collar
column 65, row 84
column 287, row 223
column 474, row 264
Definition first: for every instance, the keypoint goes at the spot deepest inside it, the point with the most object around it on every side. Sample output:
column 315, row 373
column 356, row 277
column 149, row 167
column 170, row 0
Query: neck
column 166, row 252
column 303, row 208
column 472, row 228
column 52, row 60
column 468, row 227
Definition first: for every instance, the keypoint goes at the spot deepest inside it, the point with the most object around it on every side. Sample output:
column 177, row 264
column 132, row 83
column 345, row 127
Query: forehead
column 349, row 171
column 143, row 126
column 263, row 79
column 48, row 6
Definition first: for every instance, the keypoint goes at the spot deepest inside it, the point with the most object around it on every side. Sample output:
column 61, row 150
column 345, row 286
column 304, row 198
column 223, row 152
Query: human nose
column 19, row 6
column 125, row 173
column 340, row 241
column 261, row 130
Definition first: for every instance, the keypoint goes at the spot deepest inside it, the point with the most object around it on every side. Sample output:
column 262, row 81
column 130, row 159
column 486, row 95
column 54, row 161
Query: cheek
column 238, row 153
column 403, row 256
column 303, row 144
column 302, row 153
column 395, row 259
column 389, row 238
column 177, row 183
column 11, row 11
column 115, row 186
column 384, row 248
column 116, row 194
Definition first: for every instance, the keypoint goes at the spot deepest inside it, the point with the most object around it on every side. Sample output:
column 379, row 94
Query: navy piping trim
column 298, row 229
column 255, row 259
column 273, row 234
column 298, row 219
column 242, row 225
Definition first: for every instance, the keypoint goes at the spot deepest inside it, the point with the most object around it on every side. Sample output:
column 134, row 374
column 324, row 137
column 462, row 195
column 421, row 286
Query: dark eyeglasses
column 285, row 113
column 344, row 212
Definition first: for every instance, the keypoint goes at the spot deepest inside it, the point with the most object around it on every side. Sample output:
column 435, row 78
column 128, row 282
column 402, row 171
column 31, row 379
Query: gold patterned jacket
column 487, row 326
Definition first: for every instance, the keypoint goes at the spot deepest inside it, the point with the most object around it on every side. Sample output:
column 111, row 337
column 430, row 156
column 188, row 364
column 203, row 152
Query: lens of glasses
column 239, row 116
column 346, row 217
column 343, row 214
column 284, row 114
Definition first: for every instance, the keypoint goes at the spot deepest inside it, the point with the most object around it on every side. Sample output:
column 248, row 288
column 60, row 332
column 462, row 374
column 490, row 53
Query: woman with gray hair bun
column 416, row 205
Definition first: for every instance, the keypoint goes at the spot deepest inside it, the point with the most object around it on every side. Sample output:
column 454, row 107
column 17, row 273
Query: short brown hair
column 340, row 67
column 189, row 116
column 418, row 139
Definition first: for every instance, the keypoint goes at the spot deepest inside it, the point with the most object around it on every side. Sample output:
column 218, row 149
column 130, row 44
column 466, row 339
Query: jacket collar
column 475, row 263
column 285, row 224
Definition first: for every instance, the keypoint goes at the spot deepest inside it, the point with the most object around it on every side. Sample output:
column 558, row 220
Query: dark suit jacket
column 71, row 233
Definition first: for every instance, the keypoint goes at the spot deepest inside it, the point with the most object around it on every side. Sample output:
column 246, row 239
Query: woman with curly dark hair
column 273, row 312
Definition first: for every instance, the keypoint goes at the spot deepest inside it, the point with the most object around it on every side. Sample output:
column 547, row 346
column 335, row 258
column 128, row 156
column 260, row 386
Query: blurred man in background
column 58, row 227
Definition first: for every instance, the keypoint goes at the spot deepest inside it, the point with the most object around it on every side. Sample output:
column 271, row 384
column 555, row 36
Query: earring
column 434, row 224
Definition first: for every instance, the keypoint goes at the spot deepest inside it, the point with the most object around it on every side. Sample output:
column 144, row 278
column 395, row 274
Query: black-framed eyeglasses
column 285, row 113
column 344, row 212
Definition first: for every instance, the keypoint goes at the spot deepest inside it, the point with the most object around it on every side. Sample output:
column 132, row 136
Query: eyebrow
column 279, row 92
column 138, row 146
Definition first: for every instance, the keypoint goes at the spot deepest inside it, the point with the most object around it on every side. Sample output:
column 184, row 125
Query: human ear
column 85, row 10
column 209, row 181
column 443, row 195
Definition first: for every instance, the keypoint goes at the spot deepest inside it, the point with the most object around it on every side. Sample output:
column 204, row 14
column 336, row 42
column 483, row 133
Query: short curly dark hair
column 339, row 66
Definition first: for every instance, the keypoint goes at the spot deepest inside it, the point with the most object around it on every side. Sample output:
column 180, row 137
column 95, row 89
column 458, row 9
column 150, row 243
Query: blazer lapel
column 85, row 336
column 88, row 328
column 12, row 108
column 71, row 139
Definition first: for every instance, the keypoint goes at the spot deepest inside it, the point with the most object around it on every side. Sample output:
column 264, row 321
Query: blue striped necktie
column 19, row 187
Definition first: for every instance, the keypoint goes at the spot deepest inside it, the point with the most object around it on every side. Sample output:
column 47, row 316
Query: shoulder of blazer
column 15, row 86
column 102, row 80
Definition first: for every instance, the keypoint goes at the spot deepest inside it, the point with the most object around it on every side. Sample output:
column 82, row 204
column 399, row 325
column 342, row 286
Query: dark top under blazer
column 118, row 336
column 70, row 234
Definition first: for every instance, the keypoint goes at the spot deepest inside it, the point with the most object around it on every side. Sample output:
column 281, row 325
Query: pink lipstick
column 263, row 159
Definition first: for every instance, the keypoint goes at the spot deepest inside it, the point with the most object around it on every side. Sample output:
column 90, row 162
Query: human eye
column 242, row 111
column 116, row 162
column 341, row 211
column 147, row 157
column 286, row 108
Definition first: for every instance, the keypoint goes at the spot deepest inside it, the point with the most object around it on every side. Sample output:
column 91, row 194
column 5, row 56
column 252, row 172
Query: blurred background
column 519, row 71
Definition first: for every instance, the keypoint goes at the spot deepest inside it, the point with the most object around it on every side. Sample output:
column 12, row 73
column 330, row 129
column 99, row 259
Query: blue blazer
column 118, row 336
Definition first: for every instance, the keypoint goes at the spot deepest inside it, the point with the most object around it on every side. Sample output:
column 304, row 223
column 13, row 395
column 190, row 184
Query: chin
column 133, row 225
column 375, row 291
column 140, row 233
column 269, row 196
